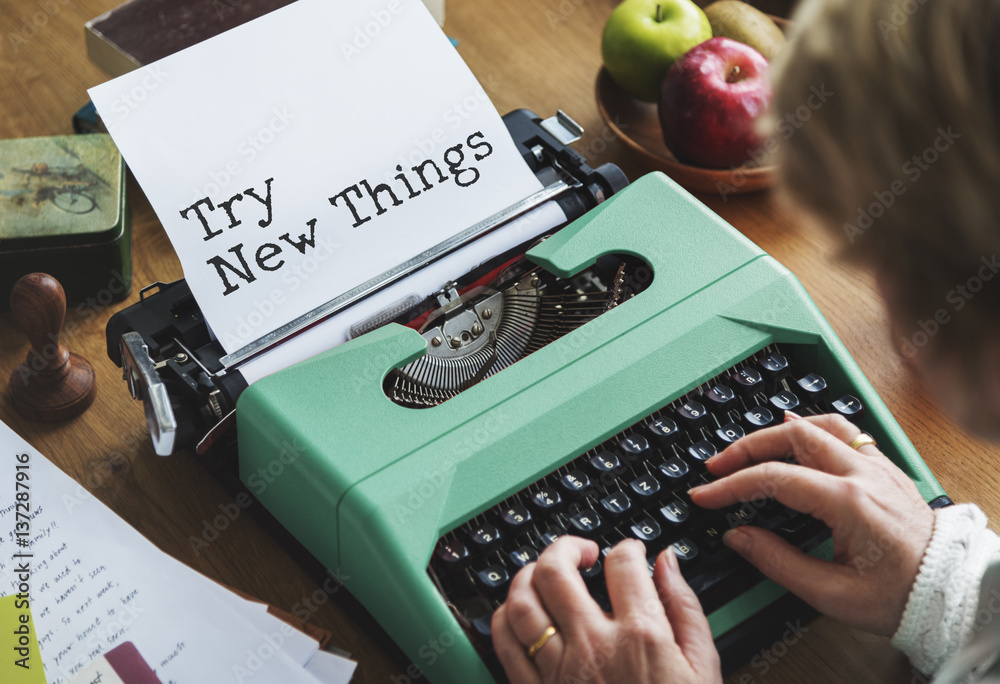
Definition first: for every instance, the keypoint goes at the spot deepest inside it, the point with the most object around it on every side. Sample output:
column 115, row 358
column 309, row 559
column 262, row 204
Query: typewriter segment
column 488, row 328
column 635, row 485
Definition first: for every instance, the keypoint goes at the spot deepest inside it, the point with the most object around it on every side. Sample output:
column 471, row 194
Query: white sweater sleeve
column 940, row 615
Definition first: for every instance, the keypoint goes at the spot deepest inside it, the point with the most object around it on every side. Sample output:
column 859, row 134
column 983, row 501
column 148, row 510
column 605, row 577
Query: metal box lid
column 60, row 191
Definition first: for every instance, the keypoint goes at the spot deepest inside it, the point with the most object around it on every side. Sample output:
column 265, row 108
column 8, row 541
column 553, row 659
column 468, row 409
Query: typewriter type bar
column 190, row 385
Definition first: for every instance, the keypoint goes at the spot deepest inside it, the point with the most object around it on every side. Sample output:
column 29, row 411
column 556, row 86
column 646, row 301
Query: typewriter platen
column 573, row 389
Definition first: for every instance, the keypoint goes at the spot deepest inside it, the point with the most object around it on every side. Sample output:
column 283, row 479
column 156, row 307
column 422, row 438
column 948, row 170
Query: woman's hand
column 657, row 633
column 881, row 525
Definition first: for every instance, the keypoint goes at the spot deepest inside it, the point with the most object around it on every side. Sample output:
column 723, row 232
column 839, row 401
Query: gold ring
column 542, row 640
column 862, row 440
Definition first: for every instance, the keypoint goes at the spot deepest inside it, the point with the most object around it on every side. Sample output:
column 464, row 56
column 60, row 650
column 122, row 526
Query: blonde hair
column 902, row 156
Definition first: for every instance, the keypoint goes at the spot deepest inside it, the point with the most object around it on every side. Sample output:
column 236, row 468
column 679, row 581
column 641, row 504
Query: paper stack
column 93, row 583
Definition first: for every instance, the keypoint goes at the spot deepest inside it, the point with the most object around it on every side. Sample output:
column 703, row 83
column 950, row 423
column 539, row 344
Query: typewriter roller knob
column 52, row 384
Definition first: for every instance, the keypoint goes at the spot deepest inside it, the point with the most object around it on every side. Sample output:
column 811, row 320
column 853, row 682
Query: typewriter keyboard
column 635, row 485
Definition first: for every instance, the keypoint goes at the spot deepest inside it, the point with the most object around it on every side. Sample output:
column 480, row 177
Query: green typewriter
column 579, row 391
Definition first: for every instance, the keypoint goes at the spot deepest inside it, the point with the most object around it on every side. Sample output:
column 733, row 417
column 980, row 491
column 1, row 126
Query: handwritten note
column 319, row 145
column 93, row 582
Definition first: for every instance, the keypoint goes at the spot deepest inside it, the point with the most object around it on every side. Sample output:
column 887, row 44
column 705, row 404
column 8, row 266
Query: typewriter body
column 575, row 388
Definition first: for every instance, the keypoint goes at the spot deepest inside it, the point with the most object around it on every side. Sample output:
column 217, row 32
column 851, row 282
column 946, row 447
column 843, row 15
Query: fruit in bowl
column 643, row 38
column 709, row 102
column 746, row 24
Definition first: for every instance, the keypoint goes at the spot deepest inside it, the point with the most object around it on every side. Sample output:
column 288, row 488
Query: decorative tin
column 64, row 211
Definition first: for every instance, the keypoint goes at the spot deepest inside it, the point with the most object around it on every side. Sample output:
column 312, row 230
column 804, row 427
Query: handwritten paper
column 93, row 582
column 295, row 148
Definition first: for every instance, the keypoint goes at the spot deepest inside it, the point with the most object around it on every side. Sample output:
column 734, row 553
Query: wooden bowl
column 638, row 125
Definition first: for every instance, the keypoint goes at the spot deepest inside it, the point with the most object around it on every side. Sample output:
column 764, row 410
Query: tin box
column 64, row 211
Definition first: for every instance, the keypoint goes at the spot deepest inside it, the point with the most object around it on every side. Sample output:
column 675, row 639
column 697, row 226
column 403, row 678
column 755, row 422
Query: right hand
column 881, row 526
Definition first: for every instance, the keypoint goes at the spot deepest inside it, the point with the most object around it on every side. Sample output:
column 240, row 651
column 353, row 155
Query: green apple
column 643, row 38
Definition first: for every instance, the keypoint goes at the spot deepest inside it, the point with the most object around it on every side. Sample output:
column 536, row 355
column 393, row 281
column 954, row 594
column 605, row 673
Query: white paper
column 330, row 667
column 302, row 98
column 299, row 646
column 99, row 672
column 95, row 582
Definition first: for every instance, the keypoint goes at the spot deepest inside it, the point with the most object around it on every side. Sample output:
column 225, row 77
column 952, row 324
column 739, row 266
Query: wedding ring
column 542, row 640
column 861, row 440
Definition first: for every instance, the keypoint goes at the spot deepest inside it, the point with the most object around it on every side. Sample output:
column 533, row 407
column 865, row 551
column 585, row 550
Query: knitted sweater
column 951, row 624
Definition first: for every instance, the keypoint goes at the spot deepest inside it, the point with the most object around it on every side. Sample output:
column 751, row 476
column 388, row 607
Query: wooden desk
column 539, row 55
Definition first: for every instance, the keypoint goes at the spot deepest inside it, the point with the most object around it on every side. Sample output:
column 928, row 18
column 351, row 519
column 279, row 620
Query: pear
column 747, row 24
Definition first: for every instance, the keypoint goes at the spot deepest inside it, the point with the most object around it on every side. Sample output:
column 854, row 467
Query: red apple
column 708, row 103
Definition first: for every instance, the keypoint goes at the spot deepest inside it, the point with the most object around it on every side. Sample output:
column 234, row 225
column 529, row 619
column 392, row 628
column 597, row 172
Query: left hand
column 657, row 633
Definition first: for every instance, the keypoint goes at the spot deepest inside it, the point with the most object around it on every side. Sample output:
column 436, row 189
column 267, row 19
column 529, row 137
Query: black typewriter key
column 729, row 433
column 646, row 529
column 676, row 512
column 685, row 550
column 493, row 578
column 574, row 483
column 711, row 533
column 484, row 538
column 693, row 414
column 813, row 388
column 604, row 462
column 737, row 516
column 453, row 554
column 849, row 407
column 646, row 487
column 774, row 367
column 616, row 504
column 664, row 430
column 748, row 382
column 720, row 399
column 759, row 417
column 784, row 401
column 484, row 625
column 702, row 450
column 522, row 556
column 593, row 572
column 550, row 536
column 546, row 500
column 515, row 517
column 675, row 471
column 793, row 524
column 770, row 513
column 634, row 444
column 585, row 524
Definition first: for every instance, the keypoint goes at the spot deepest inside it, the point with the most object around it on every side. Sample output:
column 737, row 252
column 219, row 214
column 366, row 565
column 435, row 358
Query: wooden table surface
column 527, row 53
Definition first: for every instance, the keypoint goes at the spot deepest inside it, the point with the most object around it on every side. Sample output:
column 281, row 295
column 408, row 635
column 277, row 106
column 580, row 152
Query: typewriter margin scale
column 208, row 406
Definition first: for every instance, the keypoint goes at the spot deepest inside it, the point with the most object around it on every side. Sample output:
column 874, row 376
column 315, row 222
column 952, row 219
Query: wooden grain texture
column 542, row 55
